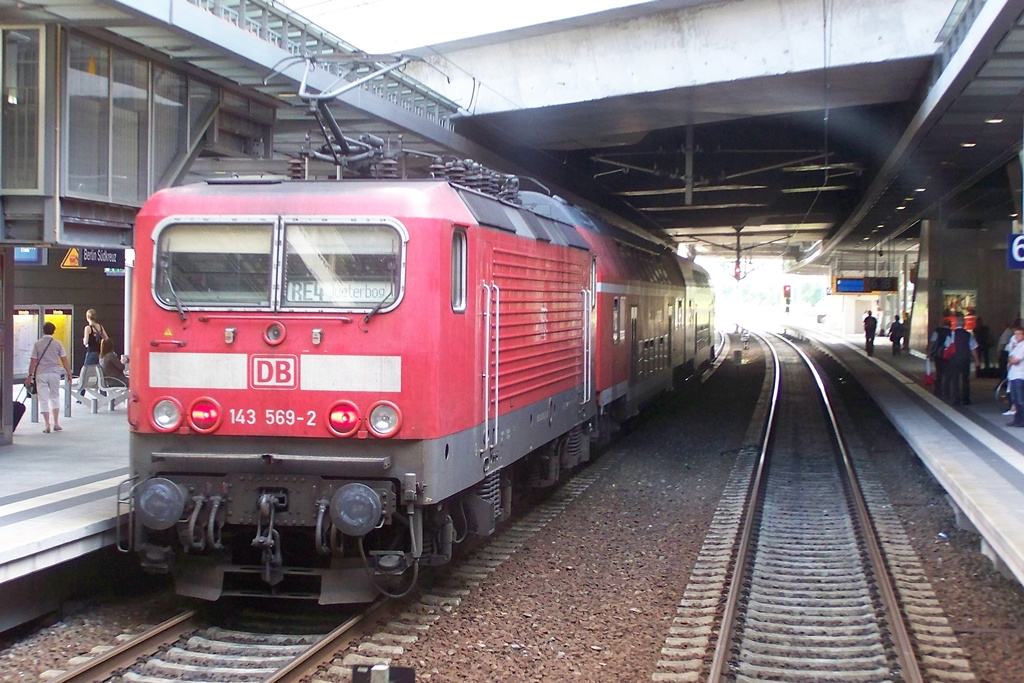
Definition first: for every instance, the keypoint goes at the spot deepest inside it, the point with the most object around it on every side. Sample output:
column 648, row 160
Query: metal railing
column 292, row 32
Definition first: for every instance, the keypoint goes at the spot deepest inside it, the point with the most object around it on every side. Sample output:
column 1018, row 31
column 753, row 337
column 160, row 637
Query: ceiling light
column 968, row 144
column 881, row 225
column 900, row 208
column 994, row 119
column 920, row 189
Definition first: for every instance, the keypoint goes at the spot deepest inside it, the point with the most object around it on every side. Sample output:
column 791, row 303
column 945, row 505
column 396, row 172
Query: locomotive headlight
column 274, row 334
column 343, row 418
column 166, row 415
column 384, row 419
column 355, row 509
column 159, row 503
column 204, row 415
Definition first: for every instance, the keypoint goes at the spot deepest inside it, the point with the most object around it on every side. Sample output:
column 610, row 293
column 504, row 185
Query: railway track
column 793, row 583
column 811, row 587
column 189, row 648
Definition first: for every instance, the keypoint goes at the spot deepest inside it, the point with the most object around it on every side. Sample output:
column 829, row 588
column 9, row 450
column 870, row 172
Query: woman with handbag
column 48, row 356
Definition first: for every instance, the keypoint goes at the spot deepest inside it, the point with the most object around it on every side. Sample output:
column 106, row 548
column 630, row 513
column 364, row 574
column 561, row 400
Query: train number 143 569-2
column 247, row 416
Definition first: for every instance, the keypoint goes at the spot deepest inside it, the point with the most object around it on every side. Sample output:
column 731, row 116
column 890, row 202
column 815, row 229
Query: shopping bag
column 929, row 374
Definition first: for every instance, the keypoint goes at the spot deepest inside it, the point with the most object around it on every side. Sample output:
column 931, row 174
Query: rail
column 101, row 667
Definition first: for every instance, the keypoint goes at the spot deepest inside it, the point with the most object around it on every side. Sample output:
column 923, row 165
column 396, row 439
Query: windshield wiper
column 376, row 309
column 170, row 288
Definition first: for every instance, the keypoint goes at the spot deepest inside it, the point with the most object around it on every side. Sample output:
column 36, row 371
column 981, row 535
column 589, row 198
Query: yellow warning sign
column 72, row 260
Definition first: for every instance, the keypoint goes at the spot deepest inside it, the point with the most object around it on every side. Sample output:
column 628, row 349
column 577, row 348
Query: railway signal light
column 786, row 291
column 736, row 270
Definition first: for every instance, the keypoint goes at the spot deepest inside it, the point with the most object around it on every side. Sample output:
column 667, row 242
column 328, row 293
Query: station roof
column 788, row 180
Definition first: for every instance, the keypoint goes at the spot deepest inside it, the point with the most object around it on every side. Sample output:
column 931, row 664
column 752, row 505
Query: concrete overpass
column 789, row 128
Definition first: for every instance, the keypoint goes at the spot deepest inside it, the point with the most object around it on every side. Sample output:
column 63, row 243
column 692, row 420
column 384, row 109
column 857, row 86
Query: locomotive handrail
column 497, row 353
column 488, row 442
column 587, row 348
column 125, row 502
column 167, row 342
column 384, row 462
column 487, row 366
column 234, row 317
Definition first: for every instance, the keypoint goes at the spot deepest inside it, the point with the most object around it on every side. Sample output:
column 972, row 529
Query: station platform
column 58, row 495
column 58, row 490
column 969, row 449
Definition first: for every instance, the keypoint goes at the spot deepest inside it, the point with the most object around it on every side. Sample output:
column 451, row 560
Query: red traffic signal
column 786, row 290
column 736, row 271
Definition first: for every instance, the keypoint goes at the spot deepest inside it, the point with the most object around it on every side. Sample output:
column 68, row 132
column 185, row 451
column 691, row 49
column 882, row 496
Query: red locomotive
column 333, row 383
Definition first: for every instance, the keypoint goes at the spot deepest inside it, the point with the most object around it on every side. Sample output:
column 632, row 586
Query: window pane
column 88, row 117
column 170, row 124
column 214, row 265
column 342, row 266
column 131, row 129
column 20, row 168
column 202, row 99
column 458, row 271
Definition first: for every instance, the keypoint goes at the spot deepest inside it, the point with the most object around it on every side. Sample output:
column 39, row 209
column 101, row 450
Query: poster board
column 960, row 301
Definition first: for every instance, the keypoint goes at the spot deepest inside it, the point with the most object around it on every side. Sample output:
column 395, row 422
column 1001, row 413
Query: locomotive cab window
column 349, row 266
column 211, row 264
column 459, row 271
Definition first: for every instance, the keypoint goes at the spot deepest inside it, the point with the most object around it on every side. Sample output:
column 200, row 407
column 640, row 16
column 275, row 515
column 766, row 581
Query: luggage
column 19, row 409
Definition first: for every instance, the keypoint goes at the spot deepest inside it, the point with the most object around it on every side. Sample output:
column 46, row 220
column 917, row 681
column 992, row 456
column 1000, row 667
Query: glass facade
column 130, row 123
column 19, row 161
column 130, row 142
column 170, row 122
column 88, row 144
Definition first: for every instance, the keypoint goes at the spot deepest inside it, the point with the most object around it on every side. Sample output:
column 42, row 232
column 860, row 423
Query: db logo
column 273, row 372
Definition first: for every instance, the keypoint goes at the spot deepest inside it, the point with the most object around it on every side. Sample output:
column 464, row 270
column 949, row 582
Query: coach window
column 350, row 266
column 459, row 271
column 207, row 265
column 616, row 321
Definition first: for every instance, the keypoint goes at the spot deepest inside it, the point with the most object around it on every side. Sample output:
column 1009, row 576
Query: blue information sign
column 1015, row 252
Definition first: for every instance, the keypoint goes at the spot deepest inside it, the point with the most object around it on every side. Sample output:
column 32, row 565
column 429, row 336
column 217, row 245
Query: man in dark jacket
column 870, row 327
column 896, row 335
column 958, row 369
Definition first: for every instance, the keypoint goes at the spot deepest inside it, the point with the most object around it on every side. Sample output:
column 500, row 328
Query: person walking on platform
column 1015, row 376
column 48, row 356
column 91, row 338
column 896, row 335
column 958, row 369
column 936, row 345
column 870, row 328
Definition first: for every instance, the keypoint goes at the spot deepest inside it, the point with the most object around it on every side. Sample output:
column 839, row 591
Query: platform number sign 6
column 1015, row 252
